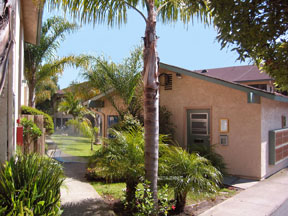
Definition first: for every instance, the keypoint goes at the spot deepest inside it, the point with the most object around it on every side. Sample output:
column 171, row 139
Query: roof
column 238, row 73
column 230, row 84
column 32, row 11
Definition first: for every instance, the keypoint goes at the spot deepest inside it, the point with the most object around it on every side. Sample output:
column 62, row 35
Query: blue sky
column 191, row 47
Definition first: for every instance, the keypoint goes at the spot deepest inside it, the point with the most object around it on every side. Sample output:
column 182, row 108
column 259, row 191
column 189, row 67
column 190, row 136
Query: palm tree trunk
column 151, row 101
column 31, row 86
column 180, row 198
column 131, row 187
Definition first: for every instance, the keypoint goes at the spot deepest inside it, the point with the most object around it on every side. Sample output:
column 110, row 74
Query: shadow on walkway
column 89, row 207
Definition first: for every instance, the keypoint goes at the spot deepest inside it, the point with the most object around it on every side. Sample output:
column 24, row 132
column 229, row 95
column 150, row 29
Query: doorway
column 198, row 128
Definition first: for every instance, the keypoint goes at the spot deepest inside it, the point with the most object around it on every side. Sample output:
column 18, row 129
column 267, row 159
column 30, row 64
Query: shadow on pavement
column 91, row 207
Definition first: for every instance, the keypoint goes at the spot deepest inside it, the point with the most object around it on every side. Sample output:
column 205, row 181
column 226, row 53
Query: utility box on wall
column 278, row 146
column 20, row 135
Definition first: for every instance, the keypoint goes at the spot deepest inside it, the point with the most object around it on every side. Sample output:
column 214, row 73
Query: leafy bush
column 30, row 185
column 128, row 122
column 30, row 128
column 30, row 133
column 165, row 124
column 48, row 121
column 144, row 204
column 209, row 153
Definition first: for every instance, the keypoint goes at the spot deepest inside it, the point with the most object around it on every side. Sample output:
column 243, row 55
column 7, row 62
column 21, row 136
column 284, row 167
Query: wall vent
column 168, row 82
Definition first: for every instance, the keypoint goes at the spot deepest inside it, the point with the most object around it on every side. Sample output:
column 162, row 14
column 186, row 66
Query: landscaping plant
column 187, row 172
column 209, row 153
column 122, row 158
column 48, row 122
column 144, row 201
column 30, row 133
column 30, row 185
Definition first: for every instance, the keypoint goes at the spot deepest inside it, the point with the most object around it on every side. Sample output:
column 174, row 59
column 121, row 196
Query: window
column 168, row 82
column 199, row 123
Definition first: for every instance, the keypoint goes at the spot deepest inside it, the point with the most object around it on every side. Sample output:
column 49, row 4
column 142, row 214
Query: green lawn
column 75, row 145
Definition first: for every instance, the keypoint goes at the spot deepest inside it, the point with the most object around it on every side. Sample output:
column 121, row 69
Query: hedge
column 48, row 122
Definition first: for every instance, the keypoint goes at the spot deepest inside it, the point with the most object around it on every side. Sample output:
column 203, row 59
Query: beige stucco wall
column 243, row 154
column 107, row 110
column 271, row 119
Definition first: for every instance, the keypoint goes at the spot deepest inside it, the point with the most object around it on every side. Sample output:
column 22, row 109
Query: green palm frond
column 189, row 171
column 72, row 105
column 114, row 12
column 123, row 79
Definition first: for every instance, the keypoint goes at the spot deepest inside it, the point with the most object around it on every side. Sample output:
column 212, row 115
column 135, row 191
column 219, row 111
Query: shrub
column 144, row 204
column 48, row 121
column 30, row 133
column 30, row 185
column 209, row 153
column 166, row 126
column 128, row 122
column 184, row 172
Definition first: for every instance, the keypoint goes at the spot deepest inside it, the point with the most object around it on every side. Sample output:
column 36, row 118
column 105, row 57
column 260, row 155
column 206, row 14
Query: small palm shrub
column 30, row 185
column 122, row 158
column 48, row 121
column 185, row 172
column 209, row 153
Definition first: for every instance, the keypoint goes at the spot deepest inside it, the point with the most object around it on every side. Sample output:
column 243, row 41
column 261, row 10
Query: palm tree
column 85, row 127
column 114, row 12
column 190, row 172
column 124, row 79
column 123, row 158
column 40, row 60
column 71, row 105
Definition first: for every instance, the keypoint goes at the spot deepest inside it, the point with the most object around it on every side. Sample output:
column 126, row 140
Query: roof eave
column 229, row 84
column 32, row 12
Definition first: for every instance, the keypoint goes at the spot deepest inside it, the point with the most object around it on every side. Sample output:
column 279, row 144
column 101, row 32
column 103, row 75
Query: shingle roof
column 238, row 73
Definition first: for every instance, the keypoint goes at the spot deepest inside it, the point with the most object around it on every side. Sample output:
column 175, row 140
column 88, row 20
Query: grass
column 115, row 190
column 75, row 145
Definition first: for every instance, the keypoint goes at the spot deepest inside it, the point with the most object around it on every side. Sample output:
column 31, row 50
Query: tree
column 72, row 105
column 123, row 158
column 114, row 13
column 257, row 30
column 85, row 127
column 40, row 60
column 119, row 80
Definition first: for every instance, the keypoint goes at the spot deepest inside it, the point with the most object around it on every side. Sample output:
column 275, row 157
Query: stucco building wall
column 10, row 98
column 271, row 112
column 243, row 153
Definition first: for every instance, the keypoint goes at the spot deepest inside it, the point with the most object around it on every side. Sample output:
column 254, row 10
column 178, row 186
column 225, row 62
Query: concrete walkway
column 268, row 197
column 78, row 197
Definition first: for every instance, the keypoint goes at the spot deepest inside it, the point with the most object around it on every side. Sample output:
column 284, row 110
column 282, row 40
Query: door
column 198, row 128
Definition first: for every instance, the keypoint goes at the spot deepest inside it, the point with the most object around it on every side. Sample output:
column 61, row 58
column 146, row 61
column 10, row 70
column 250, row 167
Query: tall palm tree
column 124, row 79
column 41, row 61
column 114, row 12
